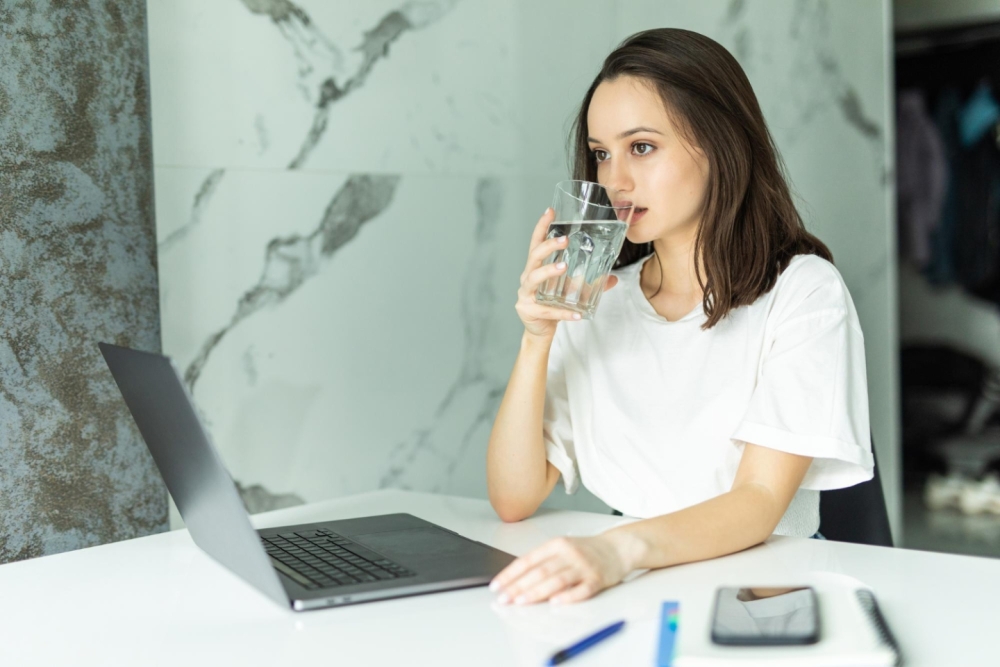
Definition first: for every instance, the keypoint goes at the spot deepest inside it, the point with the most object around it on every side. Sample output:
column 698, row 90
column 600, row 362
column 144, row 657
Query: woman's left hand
column 566, row 569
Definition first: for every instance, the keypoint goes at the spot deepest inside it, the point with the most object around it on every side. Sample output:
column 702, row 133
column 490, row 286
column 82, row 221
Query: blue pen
column 584, row 644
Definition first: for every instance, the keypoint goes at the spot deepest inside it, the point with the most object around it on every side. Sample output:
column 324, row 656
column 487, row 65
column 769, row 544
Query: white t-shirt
column 652, row 415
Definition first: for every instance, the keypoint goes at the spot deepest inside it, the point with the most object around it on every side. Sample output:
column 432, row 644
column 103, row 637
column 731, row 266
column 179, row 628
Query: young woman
column 721, row 384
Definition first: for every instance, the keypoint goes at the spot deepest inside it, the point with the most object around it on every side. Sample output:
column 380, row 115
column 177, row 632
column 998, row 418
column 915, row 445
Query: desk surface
column 159, row 600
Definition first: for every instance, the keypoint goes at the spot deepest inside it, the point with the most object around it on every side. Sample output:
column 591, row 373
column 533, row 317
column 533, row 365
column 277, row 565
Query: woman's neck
column 672, row 273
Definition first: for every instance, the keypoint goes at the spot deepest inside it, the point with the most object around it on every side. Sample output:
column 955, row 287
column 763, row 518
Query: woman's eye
column 648, row 148
column 600, row 155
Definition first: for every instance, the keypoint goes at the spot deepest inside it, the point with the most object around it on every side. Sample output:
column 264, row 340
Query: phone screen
column 764, row 616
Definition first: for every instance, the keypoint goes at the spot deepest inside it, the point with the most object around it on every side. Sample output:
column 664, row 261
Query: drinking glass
column 596, row 230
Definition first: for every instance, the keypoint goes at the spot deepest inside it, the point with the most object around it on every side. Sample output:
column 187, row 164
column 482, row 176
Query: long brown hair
column 750, row 229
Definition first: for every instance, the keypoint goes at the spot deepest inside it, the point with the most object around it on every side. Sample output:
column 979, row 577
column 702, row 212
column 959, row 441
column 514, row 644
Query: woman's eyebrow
column 628, row 133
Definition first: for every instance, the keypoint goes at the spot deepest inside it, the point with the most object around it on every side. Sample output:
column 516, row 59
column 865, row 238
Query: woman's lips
column 636, row 213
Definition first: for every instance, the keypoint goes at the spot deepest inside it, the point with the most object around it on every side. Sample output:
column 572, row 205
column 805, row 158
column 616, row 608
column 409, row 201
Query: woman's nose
column 618, row 177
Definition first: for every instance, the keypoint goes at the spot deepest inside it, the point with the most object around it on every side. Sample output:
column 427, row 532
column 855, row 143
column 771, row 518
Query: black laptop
column 306, row 566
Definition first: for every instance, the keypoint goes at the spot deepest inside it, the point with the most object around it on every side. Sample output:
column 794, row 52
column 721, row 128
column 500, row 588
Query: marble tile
column 415, row 87
column 345, row 367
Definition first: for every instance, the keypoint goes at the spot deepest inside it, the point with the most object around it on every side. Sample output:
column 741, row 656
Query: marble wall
column 345, row 193
column 77, row 266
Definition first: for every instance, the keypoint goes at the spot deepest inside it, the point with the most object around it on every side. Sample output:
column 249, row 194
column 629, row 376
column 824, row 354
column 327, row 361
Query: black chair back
column 856, row 514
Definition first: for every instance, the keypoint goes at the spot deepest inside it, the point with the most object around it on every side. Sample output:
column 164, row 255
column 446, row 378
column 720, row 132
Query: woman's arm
column 765, row 483
column 571, row 569
column 518, row 475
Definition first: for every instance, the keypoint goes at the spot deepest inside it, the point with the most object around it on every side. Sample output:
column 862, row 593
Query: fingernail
column 555, row 601
column 561, row 265
column 494, row 585
column 520, row 599
column 576, row 316
column 503, row 599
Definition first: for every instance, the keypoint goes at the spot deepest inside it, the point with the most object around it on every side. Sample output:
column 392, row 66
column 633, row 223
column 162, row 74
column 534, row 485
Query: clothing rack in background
column 948, row 155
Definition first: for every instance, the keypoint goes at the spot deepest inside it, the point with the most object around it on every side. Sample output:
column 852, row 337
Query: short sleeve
column 557, row 429
column 811, row 396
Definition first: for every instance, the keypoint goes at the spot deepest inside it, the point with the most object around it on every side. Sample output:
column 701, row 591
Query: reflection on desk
column 767, row 612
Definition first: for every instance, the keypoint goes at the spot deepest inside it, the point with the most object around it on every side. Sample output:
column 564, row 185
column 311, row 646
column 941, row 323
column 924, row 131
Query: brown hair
column 750, row 229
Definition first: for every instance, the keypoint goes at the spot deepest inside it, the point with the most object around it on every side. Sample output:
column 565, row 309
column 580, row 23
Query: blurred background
column 947, row 65
column 343, row 198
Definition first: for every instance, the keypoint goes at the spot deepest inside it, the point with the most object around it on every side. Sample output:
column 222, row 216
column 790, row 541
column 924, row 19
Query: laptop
column 306, row 566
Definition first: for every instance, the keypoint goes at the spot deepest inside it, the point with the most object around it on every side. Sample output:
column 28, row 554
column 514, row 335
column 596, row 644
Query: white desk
column 160, row 601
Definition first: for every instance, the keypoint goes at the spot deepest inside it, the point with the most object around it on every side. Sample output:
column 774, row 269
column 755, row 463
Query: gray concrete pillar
column 77, row 266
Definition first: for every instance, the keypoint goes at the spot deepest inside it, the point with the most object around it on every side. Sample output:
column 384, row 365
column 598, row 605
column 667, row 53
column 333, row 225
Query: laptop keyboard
column 324, row 559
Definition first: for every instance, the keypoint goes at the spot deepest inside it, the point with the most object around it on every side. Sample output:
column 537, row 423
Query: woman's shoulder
column 809, row 270
column 806, row 274
column 809, row 284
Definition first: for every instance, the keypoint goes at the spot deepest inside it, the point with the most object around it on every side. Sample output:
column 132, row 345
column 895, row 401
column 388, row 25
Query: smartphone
column 765, row 616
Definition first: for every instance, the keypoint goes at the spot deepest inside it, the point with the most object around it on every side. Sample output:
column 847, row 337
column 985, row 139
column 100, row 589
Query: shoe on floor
column 983, row 496
column 943, row 492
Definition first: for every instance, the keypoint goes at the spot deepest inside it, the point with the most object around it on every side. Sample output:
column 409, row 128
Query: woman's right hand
column 540, row 320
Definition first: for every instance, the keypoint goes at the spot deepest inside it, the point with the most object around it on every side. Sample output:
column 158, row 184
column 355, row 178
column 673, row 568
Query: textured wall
column 77, row 266
column 423, row 139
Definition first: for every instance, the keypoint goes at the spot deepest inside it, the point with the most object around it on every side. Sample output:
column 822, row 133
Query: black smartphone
column 765, row 616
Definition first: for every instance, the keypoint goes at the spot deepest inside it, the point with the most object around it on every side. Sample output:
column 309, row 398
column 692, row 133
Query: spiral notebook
column 853, row 633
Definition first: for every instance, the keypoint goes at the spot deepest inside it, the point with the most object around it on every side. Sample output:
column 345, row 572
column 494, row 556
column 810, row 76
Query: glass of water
column 596, row 230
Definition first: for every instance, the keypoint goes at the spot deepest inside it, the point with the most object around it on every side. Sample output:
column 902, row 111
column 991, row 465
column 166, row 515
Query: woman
column 721, row 384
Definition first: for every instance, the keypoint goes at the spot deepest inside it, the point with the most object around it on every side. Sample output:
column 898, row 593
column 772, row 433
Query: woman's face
column 643, row 159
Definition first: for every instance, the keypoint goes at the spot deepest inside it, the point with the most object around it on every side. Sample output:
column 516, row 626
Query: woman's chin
column 637, row 237
column 647, row 231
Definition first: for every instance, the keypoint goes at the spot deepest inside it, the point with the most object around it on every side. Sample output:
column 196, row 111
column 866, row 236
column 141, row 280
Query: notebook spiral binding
column 871, row 608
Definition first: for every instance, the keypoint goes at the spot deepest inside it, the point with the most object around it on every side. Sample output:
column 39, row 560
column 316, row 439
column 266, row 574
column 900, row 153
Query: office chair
column 856, row 514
